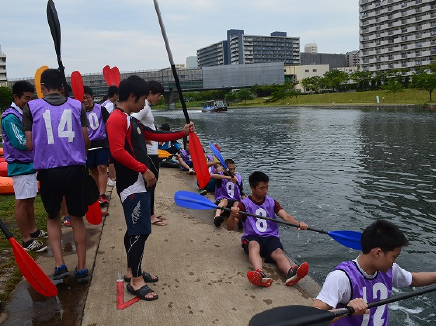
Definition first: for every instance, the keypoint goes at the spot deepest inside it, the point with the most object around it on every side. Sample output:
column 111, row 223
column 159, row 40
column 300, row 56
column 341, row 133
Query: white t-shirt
column 336, row 288
column 109, row 106
column 147, row 119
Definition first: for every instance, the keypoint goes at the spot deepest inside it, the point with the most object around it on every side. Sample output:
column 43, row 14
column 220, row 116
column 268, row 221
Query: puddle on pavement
column 29, row 308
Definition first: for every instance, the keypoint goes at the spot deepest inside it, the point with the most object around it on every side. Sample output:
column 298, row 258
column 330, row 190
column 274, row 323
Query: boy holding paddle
column 261, row 237
column 370, row 277
column 127, row 142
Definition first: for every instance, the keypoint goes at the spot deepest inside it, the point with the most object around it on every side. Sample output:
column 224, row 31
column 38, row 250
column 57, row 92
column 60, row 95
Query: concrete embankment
column 202, row 270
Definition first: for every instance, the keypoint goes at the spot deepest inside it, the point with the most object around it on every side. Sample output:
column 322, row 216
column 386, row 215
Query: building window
column 313, row 70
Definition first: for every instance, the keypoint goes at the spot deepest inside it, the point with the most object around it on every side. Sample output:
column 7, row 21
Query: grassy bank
column 10, row 275
column 407, row 97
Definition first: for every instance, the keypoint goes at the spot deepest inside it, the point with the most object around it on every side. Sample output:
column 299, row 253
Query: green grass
column 8, row 265
column 408, row 96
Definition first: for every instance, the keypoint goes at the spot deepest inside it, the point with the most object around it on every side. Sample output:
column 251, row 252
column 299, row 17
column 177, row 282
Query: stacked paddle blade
column 112, row 75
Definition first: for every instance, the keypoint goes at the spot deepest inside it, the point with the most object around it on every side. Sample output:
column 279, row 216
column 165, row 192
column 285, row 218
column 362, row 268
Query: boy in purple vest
column 261, row 237
column 370, row 277
column 228, row 190
column 98, row 154
column 20, row 167
column 56, row 129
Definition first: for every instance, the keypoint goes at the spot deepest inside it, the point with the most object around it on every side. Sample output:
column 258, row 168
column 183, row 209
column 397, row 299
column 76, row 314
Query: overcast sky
column 126, row 33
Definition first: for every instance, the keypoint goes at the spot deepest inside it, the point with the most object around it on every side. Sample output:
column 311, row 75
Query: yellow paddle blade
column 38, row 80
column 163, row 154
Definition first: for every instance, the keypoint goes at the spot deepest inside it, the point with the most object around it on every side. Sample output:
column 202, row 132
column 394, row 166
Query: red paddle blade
column 77, row 85
column 32, row 272
column 198, row 160
column 93, row 215
column 116, row 76
column 107, row 75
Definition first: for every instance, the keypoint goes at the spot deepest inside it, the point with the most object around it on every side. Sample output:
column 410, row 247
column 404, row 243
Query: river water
column 338, row 169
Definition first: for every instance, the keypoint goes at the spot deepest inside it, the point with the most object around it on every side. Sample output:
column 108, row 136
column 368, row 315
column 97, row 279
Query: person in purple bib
column 228, row 190
column 20, row 167
column 98, row 154
column 370, row 277
column 261, row 237
column 56, row 129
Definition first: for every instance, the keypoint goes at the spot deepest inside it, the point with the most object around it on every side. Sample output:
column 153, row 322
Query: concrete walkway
column 202, row 270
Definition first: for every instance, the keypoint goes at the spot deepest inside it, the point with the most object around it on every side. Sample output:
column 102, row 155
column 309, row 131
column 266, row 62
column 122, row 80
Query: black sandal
column 148, row 278
column 142, row 292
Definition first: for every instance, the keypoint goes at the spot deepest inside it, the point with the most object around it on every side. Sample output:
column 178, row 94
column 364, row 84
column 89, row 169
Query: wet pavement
column 28, row 307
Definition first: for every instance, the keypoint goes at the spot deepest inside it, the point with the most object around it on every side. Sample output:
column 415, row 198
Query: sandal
column 142, row 292
column 161, row 217
column 159, row 222
column 217, row 220
column 148, row 278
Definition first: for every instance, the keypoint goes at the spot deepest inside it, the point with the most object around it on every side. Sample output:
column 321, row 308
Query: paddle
column 55, row 28
column 107, row 74
column 218, row 155
column 38, row 73
column 29, row 268
column 77, row 85
column 304, row 315
column 186, row 199
column 163, row 154
column 116, row 76
column 196, row 150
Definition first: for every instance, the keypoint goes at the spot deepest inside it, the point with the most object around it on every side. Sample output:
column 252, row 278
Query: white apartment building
column 396, row 34
column 3, row 75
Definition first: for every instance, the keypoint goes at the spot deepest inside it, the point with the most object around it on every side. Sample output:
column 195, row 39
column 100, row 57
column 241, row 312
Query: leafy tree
column 230, row 97
column 6, row 97
column 393, row 86
column 294, row 92
column 311, row 84
column 335, row 78
column 425, row 78
column 362, row 78
column 244, row 95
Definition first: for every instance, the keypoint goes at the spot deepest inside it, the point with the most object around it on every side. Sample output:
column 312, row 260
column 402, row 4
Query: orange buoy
column 6, row 186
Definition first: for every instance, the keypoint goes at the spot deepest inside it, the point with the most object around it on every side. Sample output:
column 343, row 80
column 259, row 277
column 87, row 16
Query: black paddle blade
column 55, row 27
column 292, row 316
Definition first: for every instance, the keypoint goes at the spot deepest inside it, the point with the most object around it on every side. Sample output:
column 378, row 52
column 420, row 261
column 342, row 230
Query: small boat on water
column 214, row 106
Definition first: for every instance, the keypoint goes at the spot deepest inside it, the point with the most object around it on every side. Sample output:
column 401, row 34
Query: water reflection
column 339, row 169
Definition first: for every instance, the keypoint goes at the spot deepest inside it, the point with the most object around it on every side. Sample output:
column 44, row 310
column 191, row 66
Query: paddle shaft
column 5, row 230
column 273, row 220
column 170, row 57
column 53, row 21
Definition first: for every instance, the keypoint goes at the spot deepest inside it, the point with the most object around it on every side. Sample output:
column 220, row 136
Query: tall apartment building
column 311, row 48
column 396, row 33
column 3, row 75
column 248, row 49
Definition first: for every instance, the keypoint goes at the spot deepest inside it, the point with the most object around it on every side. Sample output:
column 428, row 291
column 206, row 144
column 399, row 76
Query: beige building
column 298, row 73
column 3, row 75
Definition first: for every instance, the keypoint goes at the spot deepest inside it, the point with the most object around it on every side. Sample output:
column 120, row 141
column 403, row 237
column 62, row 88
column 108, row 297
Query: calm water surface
column 339, row 169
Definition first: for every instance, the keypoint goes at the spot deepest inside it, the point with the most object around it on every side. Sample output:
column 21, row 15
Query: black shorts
column 97, row 157
column 267, row 245
column 230, row 202
column 68, row 181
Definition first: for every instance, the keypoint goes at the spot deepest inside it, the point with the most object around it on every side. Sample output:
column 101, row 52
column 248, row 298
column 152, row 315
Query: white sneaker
column 111, row 183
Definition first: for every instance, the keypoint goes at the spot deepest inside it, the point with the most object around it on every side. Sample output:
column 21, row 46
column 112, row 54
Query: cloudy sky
column 126, row 33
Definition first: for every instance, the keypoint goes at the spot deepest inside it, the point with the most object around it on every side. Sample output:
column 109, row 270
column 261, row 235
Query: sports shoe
column 103, row 200
column 60, row 273
column 259, row 278
column 296, row 273
column 67, row 221
column 111, row 183
column 38, row 234
column 34, row 245
column 217, row 220
column 191, row 171
column 203, row 192
column 82, row 276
